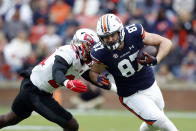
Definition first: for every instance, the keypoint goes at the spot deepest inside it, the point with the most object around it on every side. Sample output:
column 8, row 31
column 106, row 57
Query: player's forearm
column 93, row 76
column 164, row 49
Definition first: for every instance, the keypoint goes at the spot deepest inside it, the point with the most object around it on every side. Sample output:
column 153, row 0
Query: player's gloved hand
column 149, row 60
column 75, row 85
column 103, row 82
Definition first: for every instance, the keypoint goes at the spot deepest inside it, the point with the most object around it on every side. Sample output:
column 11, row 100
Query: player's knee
column 71, row 125
column 146, row 127
column 165, row 124
column 143, row 127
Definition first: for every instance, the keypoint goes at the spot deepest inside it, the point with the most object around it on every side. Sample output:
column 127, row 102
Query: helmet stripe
column 104, row 23
column 108, row 23
column 101, row 24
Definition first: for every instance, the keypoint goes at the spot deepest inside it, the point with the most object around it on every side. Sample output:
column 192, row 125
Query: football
column 151, row 50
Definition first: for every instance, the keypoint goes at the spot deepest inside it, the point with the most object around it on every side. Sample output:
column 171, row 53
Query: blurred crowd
column 31, row 29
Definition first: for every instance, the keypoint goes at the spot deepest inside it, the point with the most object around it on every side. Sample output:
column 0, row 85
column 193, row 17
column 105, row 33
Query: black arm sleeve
column 85, row 75
column 59, row 69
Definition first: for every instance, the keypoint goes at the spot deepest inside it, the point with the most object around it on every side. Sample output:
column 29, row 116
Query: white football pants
column 148, row 105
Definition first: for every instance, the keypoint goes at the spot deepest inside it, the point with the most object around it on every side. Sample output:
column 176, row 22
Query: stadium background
column 32, row 29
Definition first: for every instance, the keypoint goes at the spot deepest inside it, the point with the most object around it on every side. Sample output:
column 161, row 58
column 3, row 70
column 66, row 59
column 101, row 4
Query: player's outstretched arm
column 163, row 43
column 59, row 70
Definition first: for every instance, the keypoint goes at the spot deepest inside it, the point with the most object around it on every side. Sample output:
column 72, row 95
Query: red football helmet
column 83, row 40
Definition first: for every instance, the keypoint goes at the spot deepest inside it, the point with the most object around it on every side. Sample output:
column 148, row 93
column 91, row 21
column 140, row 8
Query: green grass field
column 102, row 120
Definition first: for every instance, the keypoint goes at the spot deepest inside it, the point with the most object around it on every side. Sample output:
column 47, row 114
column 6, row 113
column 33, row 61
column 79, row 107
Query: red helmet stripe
column 104, row 23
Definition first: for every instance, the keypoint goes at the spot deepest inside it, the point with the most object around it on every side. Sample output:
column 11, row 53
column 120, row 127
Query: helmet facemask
column 111, row 45
column 109, row 24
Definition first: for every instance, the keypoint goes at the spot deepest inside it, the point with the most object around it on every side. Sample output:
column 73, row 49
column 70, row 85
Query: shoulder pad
column 98, row 52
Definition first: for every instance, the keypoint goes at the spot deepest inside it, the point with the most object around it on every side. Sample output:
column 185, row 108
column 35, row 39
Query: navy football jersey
column 129, row 75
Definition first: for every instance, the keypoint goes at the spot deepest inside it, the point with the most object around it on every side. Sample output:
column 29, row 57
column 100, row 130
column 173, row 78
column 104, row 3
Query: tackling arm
column 59, row 70
column 163, row 43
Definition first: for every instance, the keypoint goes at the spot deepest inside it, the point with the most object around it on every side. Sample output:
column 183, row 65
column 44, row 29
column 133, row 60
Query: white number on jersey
column 131, row 28
column 126, row 67
column 98, row 46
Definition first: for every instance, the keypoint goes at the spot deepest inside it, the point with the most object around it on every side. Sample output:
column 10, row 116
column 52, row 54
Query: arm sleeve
column 59, row 70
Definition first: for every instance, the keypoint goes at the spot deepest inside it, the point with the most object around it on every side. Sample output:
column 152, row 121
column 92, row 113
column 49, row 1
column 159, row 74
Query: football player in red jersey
column 136, row 86
column 60, row 69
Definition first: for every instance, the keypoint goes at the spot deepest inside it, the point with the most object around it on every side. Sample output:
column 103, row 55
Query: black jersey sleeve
column 59, row 69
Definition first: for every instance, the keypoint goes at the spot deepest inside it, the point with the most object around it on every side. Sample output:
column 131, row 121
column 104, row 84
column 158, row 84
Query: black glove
column 149, row 60
column 103, row 82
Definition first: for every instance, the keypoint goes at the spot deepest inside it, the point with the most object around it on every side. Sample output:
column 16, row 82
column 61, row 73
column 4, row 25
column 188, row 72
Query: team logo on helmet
column 84, row 40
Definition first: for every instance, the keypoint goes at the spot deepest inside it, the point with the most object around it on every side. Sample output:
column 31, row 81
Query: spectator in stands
column 188, row 67
column 174, row 59
column 32, row 60
column 50, row 41
column 41, row 13
column 69, row 32
column 14, row 26
column 17, row 51
column 192, row 36
column 4, row 7
column 86, row 7
column 181, row 6
column 180, row 31
column 59, row 12
column 71, row 21
column 24, row 10
column 164, row 75
column 162, row 24
column 137, row 17
column 112, row 6
column 150, row 9
column 3, row 41
column 37, row 31
column 5, row 69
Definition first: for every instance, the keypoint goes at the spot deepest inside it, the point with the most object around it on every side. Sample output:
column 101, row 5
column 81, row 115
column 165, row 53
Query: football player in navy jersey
column 60, row 69
column 136, row 85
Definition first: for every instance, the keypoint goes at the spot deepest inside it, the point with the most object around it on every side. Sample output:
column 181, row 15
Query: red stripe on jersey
column 104, row 23
column 96, row 61
column 150, row 122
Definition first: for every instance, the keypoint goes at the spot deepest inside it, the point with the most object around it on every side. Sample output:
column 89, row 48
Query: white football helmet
column 107, row 25
column 83, row 40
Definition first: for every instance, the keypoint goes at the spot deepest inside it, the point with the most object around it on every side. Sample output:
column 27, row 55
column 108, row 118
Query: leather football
column 151, row 50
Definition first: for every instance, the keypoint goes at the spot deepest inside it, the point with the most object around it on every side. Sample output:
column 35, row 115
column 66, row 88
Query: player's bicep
column 152, row 39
